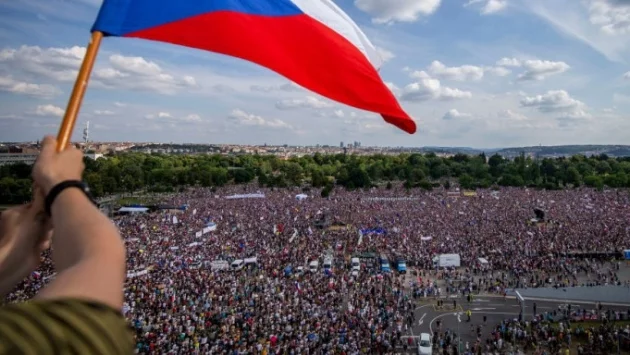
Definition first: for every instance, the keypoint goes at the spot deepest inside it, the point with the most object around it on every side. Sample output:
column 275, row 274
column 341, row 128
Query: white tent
column 301, row 197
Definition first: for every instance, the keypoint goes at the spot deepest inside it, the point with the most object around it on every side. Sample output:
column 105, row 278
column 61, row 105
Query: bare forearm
column 88, row 252
column 8, row 278
column 81, row 230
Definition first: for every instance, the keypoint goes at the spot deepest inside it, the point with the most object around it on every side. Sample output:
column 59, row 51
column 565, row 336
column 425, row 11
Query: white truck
column 313, row 266
column 219, row 265
column 447, row 260
column 356, row 266
column 238, row 264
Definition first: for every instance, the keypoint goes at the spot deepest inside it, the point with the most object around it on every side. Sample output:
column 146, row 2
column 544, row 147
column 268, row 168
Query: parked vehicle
column 384, row 264
column 424, row 346
column 356, row 266
column 401, row 266
column 237, row 264
column 313, row 266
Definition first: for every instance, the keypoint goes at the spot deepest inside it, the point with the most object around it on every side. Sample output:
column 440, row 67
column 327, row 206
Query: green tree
column 573, row 176
column 594, row 181
column 466, row 181
column 512, row 180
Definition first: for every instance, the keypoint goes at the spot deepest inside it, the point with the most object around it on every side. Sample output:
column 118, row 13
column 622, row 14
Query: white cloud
column 103, row 113
column 288, row 87
column 247, row 119
column 462, row 73
column 385, row 55
column 308, row 102
column 59, row 64
column 350, row 116
column 431, row 89
column 192, row 118
column 511, row 115
column 49, row 111
column 151, row 116
column 611, row 18
column 339, row 113
column 19, row 87
column 489, row 6
column 120, row 72
column 535, row 69
column 137, row 73
column 167, row 117
column 509, row 62
column 627, row 76
column 540, row 69
column 557, row 102
column 498, row 71
column 493, row 6
column 388, row 11
column 420, row 74
column 454, row 114
column 393, row 88
column 120, row 104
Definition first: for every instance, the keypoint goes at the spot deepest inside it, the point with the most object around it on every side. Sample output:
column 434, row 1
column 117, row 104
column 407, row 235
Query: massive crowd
column 177, row 303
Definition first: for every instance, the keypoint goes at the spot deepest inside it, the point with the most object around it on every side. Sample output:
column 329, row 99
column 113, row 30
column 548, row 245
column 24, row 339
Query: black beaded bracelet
column 60, row 187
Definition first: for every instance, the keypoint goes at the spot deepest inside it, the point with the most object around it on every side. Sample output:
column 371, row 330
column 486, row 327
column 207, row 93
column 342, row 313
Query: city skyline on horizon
column 556, row 74
column 322, row 145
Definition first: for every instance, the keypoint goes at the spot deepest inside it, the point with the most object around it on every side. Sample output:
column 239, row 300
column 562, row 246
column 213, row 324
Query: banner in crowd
column 339, row 227
column 391, row 199
column 373, row 231
column 133, row 274
column 210, row 227
column 240, row 196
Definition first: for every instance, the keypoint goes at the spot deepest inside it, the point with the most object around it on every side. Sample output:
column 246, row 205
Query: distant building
column 341, row 145
column 93, row 156
column 13, row 158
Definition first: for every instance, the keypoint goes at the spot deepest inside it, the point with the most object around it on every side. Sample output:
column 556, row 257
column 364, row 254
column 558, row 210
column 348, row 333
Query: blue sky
column 480, row 73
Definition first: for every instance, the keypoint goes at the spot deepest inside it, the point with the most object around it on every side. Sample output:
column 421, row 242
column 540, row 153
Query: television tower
column 86, row 134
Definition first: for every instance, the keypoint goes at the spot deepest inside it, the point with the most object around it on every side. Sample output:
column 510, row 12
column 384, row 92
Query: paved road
column 496, row 309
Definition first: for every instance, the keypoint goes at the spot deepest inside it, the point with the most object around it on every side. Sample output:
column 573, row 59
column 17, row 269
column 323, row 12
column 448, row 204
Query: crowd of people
column 177, row 302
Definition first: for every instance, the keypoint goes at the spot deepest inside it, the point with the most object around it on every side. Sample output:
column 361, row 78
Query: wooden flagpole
column 78, row 92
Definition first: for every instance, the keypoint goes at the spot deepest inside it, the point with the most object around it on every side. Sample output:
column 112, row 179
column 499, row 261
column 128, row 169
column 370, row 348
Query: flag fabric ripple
column 311, row 42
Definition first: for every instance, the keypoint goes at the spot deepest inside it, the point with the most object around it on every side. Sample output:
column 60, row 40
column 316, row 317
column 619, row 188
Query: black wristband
column 57, row 189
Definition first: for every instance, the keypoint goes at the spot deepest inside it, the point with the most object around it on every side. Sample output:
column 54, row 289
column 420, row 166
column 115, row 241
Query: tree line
column 128, row 172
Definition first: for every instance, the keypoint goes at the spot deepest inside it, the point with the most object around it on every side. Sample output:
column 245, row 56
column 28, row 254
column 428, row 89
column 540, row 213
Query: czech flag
column 311, row 42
